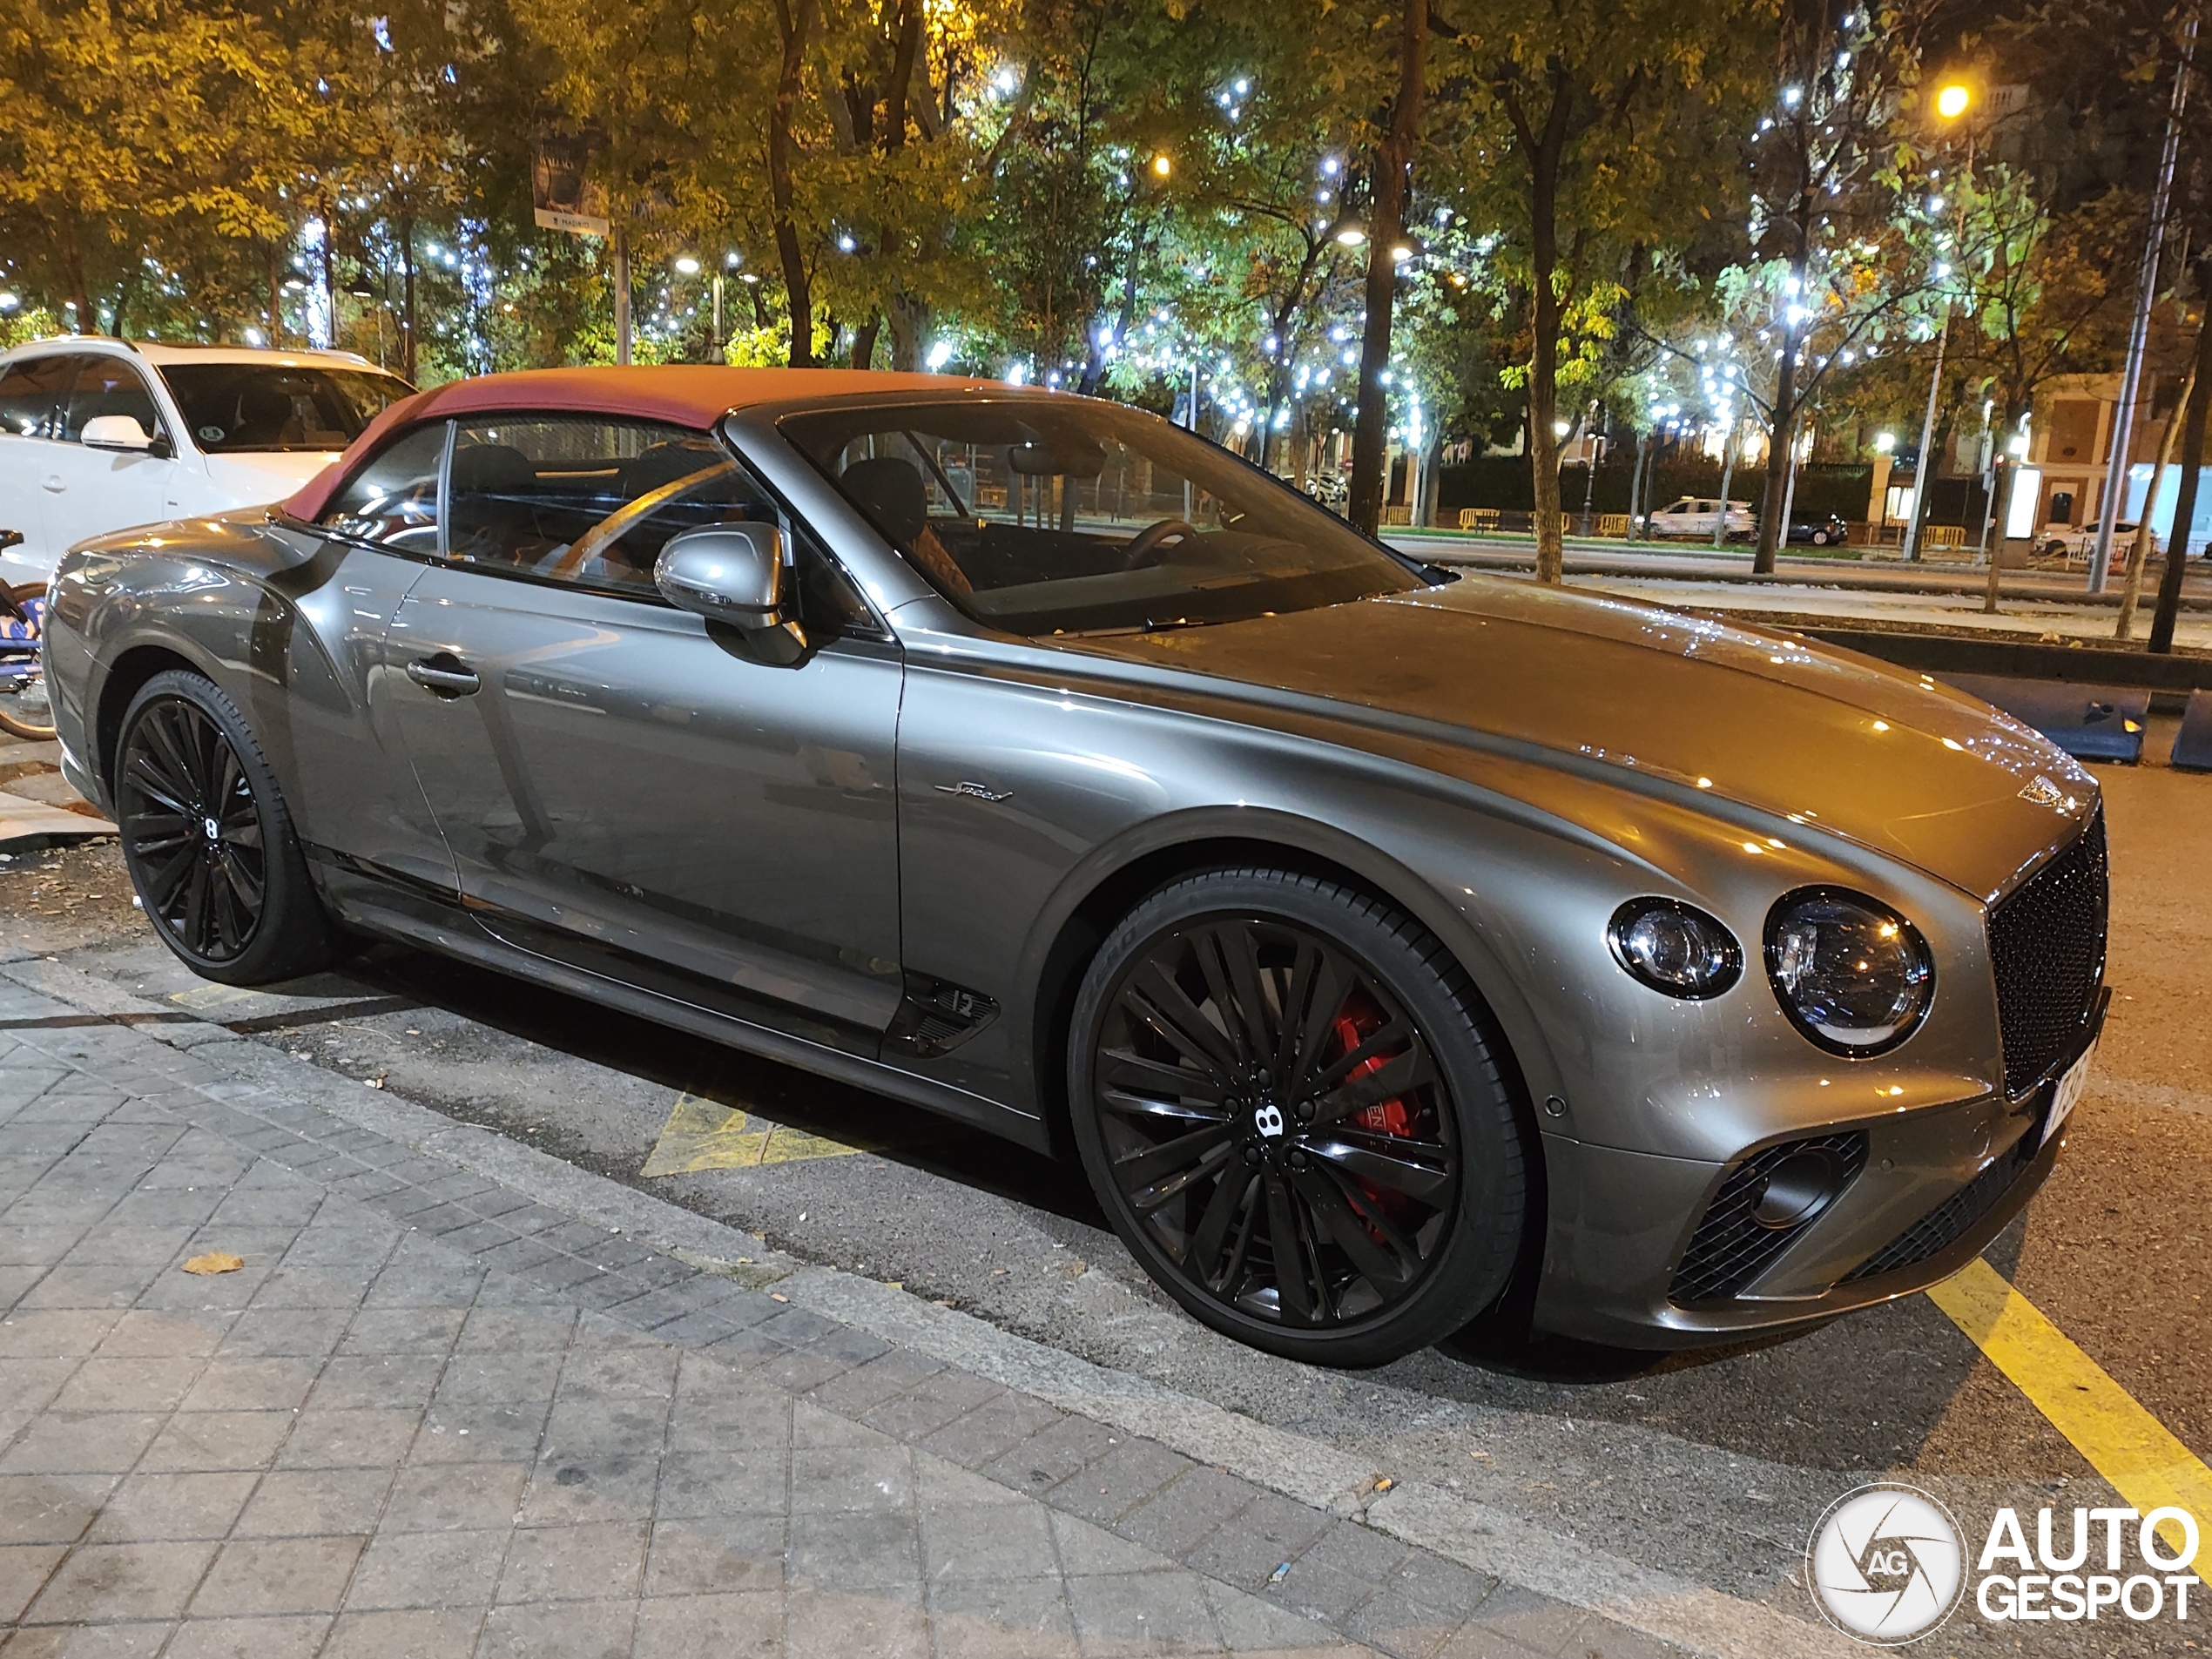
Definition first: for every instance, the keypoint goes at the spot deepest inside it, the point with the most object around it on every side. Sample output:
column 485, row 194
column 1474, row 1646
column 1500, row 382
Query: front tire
column 1286, row 1098
column 207, row 838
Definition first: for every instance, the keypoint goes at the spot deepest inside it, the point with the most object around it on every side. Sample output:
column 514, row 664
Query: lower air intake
column 1741, row 1235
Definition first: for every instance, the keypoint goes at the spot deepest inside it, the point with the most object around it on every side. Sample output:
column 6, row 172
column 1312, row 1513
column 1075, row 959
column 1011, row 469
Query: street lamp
column 686, row 266
column 1162, row 166
column 1950, row 103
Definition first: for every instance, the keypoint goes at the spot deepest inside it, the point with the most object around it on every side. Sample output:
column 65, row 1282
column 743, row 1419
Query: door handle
column 55, row 482
column 444, row 676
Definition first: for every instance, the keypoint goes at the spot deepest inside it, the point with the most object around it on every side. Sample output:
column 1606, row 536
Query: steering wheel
column 1147, row 541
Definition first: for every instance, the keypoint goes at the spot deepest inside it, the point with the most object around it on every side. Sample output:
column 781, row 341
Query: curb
column 2170, row 679
column 1847, row 574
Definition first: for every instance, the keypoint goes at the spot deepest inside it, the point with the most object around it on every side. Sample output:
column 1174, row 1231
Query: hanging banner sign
column 563, row 194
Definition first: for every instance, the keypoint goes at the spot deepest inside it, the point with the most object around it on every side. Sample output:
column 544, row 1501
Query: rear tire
column 208, row 840
column 1257, row 1056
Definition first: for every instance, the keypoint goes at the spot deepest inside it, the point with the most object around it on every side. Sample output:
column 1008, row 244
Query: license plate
column 2068, row 1091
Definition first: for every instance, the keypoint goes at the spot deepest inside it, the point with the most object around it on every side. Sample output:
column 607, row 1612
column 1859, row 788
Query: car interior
column 561, row 511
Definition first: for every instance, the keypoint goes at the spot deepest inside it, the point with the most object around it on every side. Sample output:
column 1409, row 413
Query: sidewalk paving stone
column 434, row 1415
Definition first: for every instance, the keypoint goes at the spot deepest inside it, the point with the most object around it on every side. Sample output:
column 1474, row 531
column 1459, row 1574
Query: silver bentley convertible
column 1391, row 947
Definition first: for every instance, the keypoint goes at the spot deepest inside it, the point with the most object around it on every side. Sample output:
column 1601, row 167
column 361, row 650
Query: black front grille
column 1947, row 1223
column 1731, row 1246
column 2046, row 944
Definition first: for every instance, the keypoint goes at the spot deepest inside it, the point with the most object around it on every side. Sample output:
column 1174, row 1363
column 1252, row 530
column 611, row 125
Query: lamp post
column 1950, row 103
column 2123, row 419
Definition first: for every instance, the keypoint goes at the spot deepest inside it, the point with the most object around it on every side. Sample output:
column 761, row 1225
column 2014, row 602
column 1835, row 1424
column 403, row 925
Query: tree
column 1391, row 182
column 122, row 119
column 1587, row 131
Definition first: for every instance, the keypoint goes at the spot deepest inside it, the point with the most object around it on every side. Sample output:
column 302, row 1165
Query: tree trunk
column 1547, row 311
column 80, row 291
column 909, row 318
column 1773, row 529
column 406, row 297
column 1385, row 223
column 864, row 343
column 795, row 19
column 273, row 273
column 330, row 270
column 2177, row 544
column 2139, row 544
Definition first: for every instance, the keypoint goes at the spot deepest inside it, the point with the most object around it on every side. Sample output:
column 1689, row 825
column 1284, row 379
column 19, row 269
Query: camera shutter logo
column 1886, row 1564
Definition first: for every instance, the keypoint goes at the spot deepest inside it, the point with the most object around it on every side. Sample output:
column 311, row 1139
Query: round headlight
column 1850, row 972
column 1674, row 948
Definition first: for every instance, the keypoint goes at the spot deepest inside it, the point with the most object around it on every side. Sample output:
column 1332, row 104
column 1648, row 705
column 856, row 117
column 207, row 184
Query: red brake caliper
column 1356, row 1021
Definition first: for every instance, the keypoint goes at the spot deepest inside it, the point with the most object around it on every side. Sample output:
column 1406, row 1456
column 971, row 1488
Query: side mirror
column 120, row 431
column 9, row 538
column 733, row 573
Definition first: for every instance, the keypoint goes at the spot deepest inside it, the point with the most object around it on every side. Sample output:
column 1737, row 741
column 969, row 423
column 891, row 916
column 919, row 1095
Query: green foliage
column 1111, row 195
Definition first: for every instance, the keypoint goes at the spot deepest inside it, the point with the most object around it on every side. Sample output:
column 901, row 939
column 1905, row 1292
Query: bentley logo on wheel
column 1886, row 1564
column 1268, row 1120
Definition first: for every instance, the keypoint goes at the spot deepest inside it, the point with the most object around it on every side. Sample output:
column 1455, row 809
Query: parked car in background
column 1829, row 530
column 1376, row 939
column 1699, row 517
column 2062, row 540
column 99, row 435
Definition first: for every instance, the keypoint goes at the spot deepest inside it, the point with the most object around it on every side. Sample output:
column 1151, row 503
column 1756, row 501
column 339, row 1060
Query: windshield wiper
column 1147, row 627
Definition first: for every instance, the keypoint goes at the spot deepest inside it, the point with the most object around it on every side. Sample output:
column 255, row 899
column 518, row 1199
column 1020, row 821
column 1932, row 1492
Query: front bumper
column 1937, row 1185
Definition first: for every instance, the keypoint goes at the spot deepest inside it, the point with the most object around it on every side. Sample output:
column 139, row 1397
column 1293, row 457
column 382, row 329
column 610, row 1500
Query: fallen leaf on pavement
column 214, row 1262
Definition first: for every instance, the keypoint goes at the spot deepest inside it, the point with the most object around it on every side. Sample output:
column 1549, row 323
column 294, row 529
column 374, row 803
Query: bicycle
column 26, row 710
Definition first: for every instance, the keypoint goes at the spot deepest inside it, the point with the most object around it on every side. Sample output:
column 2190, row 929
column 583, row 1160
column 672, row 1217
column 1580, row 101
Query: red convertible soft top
column 682, row 394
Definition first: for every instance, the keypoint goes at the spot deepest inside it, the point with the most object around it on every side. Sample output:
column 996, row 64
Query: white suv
column 1700, row 518
column 99, row 435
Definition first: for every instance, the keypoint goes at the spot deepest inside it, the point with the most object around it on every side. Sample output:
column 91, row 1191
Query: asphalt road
column 1711, row 1465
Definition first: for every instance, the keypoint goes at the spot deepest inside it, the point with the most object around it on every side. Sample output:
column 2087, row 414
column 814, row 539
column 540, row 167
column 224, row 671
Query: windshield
column 233, row 407
column 1068, row 516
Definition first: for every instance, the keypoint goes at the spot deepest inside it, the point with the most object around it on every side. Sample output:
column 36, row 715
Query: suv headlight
column 1850, row 972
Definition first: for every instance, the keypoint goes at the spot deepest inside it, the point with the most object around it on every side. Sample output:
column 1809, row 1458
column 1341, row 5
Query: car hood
column 1884, row 758
column 255, row 477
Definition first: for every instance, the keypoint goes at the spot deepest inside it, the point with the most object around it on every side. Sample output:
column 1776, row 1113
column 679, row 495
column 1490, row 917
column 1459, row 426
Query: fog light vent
column 1764, row 1202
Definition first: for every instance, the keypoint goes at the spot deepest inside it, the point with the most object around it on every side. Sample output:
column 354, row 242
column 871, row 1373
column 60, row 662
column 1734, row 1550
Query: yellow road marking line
column 705, row 1135
column 2123, row 1442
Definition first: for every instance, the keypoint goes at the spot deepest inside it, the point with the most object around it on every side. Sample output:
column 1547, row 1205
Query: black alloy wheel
column 207, row 838
column 1289, row 1113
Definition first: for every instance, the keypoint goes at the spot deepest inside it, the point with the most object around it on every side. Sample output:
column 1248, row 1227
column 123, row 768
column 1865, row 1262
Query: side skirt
column 414, row 913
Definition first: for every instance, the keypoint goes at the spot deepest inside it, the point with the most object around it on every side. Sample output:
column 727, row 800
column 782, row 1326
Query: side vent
column 937, row 1017
column 1761, row 1208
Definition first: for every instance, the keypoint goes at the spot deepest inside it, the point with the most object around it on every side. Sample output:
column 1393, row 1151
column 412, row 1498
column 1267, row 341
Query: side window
column 588, row 500
column 108, row 385
column 31, row 393
column 393, row 499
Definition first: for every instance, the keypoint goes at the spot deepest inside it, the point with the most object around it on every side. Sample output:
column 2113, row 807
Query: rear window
column 233, row 408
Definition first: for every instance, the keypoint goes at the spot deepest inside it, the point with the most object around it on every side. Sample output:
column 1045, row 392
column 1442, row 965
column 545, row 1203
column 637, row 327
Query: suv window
column 32, row 392
column 108, row 385
column 230, row 407
column 394, row 500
